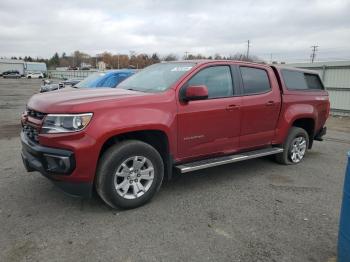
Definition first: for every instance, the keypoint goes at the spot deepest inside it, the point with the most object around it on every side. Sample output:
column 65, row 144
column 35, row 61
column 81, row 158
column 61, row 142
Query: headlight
column 57, row 123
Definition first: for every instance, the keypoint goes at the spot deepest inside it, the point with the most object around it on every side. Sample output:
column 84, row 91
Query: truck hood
column 69, row 100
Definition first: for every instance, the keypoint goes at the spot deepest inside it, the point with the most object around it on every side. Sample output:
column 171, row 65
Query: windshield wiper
column 132, row 89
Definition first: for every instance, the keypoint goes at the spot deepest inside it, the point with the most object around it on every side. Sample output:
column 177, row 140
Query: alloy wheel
column 134, row 177
column 298, row 149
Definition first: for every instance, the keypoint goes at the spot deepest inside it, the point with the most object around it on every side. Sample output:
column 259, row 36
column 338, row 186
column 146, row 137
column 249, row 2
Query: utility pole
column 313, row 54
column 248, row 45
column 186, row 53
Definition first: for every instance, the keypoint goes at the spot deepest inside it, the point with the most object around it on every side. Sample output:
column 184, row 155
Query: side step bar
column 217, row 161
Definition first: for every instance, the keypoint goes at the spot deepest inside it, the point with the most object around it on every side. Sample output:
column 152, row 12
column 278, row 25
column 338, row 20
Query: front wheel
column 295, row 147
column 129, row 174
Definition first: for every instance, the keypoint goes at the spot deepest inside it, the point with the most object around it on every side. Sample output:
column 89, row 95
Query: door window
column 217, row 79
column 255, row 81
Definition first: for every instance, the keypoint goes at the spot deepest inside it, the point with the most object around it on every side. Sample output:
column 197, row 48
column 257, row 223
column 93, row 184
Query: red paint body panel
column 194, row 129
column 260, row 115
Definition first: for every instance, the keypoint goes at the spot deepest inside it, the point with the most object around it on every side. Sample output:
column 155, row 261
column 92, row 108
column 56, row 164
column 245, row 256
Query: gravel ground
column 249, row 211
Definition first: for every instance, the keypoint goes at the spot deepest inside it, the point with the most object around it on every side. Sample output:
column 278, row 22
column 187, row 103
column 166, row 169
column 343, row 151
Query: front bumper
column 55, row 164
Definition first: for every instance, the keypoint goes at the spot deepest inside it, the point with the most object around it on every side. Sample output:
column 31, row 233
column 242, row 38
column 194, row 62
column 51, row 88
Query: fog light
column 57, row 164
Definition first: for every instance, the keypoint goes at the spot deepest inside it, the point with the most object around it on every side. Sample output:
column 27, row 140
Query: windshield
column 157, row 77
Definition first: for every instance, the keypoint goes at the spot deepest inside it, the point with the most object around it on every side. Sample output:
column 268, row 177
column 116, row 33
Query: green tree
column 155, row 58
column 55, row 60
column 170, row 57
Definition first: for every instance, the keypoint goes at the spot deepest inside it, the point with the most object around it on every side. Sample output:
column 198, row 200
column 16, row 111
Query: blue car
column 105, row 79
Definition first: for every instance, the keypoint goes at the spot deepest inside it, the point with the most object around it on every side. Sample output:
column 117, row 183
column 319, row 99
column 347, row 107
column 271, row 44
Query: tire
column 297, row 143
column 29, row 77
column 119, row 175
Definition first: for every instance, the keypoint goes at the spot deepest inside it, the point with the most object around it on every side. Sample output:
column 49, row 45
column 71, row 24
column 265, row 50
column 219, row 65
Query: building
column 101, row 66
column 336, row 78
column 35, row 67
column 22, row 66
column 12, row 64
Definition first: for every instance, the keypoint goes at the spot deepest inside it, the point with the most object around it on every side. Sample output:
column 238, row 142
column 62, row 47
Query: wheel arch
column 154, row 137
column 306, row 123
column 297, row 115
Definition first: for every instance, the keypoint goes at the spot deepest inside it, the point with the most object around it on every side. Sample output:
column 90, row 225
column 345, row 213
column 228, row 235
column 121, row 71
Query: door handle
column 270, row 103
column 232, row 107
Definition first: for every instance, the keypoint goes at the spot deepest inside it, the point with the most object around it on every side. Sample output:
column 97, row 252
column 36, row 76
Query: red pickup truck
column 185, row 115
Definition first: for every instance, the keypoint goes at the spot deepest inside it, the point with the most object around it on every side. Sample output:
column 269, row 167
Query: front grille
column 35, row 114
column 31, row 132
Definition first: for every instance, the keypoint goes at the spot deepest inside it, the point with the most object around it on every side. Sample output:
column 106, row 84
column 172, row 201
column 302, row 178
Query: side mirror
column 196, row 92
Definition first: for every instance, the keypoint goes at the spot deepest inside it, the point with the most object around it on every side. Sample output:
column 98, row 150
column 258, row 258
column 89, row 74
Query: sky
column 282, row 30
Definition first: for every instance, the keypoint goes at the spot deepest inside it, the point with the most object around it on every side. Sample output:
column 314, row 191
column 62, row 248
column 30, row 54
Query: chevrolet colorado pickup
column 186, row 115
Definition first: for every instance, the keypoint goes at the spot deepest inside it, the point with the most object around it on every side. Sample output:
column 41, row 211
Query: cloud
column 285, row 29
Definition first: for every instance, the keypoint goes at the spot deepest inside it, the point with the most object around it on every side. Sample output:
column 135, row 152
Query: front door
column 212, row 125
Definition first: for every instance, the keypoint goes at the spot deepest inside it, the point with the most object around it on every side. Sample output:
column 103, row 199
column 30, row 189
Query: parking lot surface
column 249, row 211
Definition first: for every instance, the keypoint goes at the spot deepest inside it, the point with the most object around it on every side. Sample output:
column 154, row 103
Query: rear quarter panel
column 298, row 104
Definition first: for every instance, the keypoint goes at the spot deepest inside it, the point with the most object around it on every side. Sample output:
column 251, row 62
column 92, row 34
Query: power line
column 313, row 54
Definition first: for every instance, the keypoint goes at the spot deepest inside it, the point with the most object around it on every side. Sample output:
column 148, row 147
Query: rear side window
column 296, row 80
column 313, row 81
column 255, row 81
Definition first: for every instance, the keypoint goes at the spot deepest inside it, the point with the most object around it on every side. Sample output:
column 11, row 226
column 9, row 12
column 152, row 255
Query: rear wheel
column 129, row 174
column 295, row 147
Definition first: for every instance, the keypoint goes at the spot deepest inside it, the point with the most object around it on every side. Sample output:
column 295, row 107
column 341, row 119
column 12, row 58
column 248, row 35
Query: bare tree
column 170, row 57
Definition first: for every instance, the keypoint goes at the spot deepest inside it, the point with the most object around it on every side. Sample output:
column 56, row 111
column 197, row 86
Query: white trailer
column 12, row 64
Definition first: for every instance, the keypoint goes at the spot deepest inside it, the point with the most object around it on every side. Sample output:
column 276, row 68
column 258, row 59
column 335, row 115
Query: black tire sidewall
column 118, row 154
column 295, row 132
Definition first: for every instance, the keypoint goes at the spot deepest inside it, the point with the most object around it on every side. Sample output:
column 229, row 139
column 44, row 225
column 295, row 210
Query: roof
column 113, row 71
column 34, row 63
column 321, row 64
column 203, row 61
column 11, row 61
column 294, row 68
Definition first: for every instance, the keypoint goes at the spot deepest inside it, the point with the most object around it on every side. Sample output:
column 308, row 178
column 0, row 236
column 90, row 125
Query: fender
column 289, row 115
column 131, row 119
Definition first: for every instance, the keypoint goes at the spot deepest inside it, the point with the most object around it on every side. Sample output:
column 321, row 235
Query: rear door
column 212, row 125
column 261, row 101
